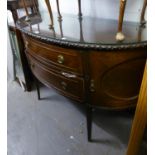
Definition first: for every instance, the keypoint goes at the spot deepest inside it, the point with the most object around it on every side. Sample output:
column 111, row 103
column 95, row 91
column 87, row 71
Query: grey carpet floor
column 57, row 126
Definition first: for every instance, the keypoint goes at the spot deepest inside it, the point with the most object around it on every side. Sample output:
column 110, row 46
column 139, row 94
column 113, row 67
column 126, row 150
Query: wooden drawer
column 72, row 87
column 69, row 59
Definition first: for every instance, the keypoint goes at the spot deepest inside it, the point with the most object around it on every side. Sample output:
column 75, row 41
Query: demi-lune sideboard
column 83, row 61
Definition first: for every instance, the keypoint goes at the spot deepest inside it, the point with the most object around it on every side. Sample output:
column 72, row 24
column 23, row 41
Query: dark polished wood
column 101, row 37
column 116, row 77
column 37, row 86
column 65, row 82
column 88, row 66
column 55, row 56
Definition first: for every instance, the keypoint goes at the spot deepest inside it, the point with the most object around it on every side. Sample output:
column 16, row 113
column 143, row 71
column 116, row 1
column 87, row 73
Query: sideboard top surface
column 87, row 32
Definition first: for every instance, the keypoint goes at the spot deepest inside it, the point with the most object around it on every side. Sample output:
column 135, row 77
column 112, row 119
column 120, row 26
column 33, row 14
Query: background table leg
column 120, row 36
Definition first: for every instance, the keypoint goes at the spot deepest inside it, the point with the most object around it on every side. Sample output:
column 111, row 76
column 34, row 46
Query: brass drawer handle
column 60, row 59
column 64, row 85
column 68, row 75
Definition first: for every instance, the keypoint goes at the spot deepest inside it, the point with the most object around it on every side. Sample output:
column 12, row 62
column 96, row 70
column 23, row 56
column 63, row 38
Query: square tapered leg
column 89, row 122
column 37, row 86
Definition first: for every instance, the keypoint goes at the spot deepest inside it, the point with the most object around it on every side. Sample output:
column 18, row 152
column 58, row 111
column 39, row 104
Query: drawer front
column 70, row 86
column 53, row 55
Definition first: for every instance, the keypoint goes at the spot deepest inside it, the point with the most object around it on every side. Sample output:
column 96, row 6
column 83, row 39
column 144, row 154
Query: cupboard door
column 116, row 77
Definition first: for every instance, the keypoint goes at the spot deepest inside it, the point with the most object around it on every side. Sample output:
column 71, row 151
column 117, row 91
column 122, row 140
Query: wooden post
column 59, row 17
column 14, row 15
column 142, row 20
column 140, row 118
column 120, row 36
column 50, row 12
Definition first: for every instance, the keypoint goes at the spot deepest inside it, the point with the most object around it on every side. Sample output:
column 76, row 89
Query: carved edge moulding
column 84, row 45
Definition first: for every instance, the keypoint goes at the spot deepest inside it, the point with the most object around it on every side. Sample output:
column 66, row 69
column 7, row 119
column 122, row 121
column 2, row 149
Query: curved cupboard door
column 116, row 77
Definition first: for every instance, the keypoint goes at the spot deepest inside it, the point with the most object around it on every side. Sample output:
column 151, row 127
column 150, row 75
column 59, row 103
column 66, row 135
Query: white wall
column 98, row 8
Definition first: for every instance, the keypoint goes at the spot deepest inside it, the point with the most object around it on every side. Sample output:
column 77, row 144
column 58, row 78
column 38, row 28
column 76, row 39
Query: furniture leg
column 14, row 15
column 80, row 12
column 142, row 20
column 32, row 10
column 61, row 31
column 89, row 122
column 120, row 36
column 51, row 26
column 58, row 8
column 37, row 86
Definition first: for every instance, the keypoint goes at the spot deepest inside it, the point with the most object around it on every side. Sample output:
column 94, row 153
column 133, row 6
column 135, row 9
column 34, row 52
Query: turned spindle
column 58, row 8
column 120, row 36
column 81, row 30
column 38, row 28
column 54, row 34
column 61, row 31
column 80, row 12
column 142, row 20
column 51, row 14
column 26, row 10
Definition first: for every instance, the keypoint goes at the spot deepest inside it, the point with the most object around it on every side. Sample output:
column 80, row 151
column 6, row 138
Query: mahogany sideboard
column 82, row 60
